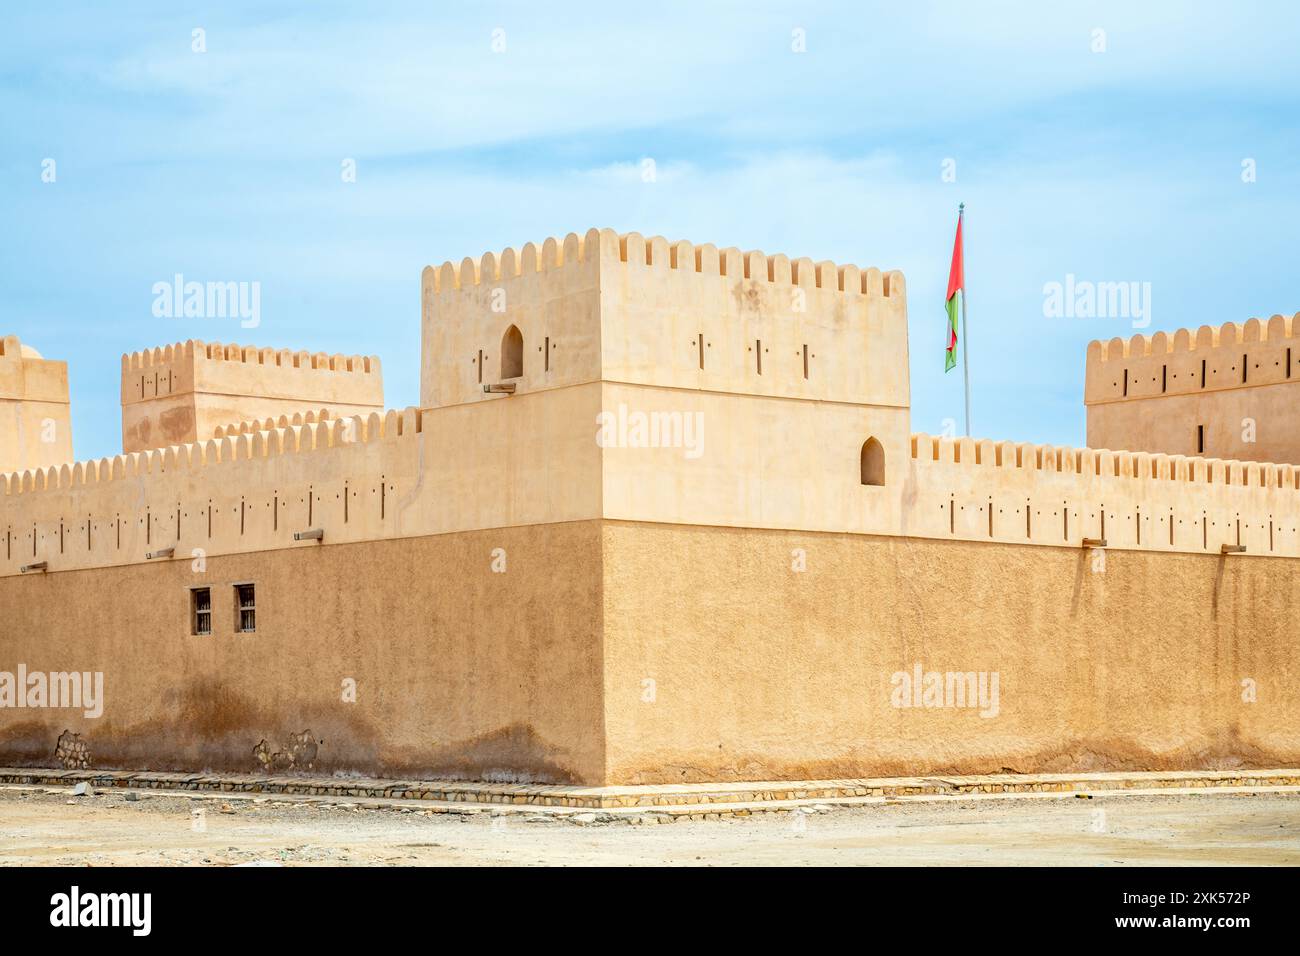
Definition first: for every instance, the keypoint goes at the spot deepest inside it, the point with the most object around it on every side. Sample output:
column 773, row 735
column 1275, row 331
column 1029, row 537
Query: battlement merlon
column 1186, row 362
column 621, row 308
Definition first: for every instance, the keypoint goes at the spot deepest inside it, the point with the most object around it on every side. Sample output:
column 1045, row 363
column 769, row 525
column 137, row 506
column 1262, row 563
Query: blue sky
column 1122, row 165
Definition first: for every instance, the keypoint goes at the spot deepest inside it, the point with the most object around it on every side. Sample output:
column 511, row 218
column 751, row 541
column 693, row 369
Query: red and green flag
column 956, row 288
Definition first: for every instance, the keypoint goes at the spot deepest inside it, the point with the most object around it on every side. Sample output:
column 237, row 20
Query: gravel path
column 40, row 827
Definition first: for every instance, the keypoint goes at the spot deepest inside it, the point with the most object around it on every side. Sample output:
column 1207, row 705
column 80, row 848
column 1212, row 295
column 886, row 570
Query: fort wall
column 724, row 662
column 455, row 669
column 1228, row 392
column 1095, row 582
column 406, row 474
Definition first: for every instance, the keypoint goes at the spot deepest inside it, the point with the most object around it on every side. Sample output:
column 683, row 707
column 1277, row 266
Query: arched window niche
column 873, row 462
column 512, row 353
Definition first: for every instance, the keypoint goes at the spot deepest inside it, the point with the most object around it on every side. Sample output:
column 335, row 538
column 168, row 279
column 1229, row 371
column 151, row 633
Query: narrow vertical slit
column 990, row 517
column 1171, row 529
column 1164, row 378
column 241, row 516
column 311, row 501
column 1270, row 534
column 758, row 354
column 209, row 519
column 60, row 536
column 275, row 513
column 1200, row 439
column 1288, row 363
column 345, row 502
column 119, row 532
column 383, row 495
column 546, row 357
column 148, row 527
column 952, row 518
column 1126, row 383
column 480, row 366
column 1029, row 533
column 805, row 360
column 1239, row 532
column 1065, row 521
column 700, row 343
column 1205, row 531
column 88, row 546
column 1202, row 373
column 1244, row 369
column 1139, row 526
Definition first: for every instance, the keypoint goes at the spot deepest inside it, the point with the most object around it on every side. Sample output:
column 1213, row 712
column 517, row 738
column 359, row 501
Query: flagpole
column 965, row 326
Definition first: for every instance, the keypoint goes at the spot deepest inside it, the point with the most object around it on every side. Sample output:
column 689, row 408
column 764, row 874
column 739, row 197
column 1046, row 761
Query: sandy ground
column 40, row 827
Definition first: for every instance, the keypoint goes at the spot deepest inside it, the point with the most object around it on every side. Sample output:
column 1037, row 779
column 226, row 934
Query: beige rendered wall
column 721, row 662
column 1240, row 383
column 35, row 424
column 459, row 670
column 182, row 392
column 407, row 474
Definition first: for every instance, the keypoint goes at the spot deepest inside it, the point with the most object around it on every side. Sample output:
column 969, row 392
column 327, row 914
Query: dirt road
column 38, row 827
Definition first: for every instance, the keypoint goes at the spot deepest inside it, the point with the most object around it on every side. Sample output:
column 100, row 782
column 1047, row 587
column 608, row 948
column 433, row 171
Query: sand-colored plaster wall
column 1238, row 383
column 460, row 670
column 723, row 663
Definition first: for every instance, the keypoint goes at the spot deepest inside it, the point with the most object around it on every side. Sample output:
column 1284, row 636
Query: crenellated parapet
column 1232, row 355
column 269, row 424
column 241, row 492
column 623, row 308
column 1044, row 494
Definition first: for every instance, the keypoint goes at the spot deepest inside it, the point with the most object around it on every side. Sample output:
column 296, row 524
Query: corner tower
column 699, row 369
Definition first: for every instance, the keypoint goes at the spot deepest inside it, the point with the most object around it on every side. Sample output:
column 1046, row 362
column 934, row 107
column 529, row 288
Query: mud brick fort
column 278, row 573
